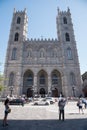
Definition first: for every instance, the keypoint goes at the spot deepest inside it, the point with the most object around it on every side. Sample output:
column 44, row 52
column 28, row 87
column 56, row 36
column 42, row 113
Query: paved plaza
column 32, row 117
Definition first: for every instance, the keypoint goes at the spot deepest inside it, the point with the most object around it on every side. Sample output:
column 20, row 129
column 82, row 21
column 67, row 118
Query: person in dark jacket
column 61, row 105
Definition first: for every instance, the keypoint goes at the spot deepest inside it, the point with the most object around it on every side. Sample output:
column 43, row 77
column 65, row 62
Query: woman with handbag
column 7, row 110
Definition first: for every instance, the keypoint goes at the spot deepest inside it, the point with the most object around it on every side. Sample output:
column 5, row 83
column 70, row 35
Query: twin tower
column 45, row 67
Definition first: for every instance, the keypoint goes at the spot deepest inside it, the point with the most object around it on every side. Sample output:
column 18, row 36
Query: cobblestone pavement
column 32, row 117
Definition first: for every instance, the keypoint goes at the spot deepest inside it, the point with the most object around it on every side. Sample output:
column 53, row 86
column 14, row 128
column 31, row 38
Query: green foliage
column 1, row 88
column 1, row 82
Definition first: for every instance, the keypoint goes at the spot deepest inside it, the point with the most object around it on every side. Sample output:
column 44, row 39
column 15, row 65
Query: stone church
column 42, row 66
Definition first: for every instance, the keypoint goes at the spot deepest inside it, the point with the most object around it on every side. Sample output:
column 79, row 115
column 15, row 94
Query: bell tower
column 14, row 59
column 19, row 26
column 70, row 63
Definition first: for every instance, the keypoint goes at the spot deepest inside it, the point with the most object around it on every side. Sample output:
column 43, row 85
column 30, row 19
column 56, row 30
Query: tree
column 1, row 82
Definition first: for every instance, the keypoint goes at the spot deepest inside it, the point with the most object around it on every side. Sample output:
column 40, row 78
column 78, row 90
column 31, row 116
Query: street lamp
column 52, row 89
column 11, row 90
column 32, row 90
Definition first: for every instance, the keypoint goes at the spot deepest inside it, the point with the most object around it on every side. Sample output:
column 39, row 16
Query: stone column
column 64, row 85
column 18, row 87
column 49, row 84
column 35, row 83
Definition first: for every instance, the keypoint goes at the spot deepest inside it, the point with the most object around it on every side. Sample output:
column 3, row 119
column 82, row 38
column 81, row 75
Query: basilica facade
column 42, row 66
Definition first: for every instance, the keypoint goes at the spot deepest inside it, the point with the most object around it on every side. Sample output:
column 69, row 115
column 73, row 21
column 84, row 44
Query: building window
column 54, row 79
column 29, row 53
column 11, row 79
column 67, row 37
column 18, row 20
column 42, row 79
column 41, row 54
column 69, row 54
column 72, row 79
column 29, row 80
column 54, row 53
column 65, row 20
column 16, row 37
column 14, row 54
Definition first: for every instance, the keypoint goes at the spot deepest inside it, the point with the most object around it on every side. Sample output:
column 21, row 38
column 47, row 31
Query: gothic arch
column 11, row 79
column 55, row 52
column 42, row 77
column 69, row 53
column 29, row 53
column 64, row 20
column 56, row 83
column 16, row 38
column 67, row 36
column 28, row 81
column 42, row 53
column 14, row 54
column 18, row 20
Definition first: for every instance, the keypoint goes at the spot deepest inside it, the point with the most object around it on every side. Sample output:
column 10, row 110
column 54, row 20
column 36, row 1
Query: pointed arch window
column 14, row 54
column 67, row 37
column 72, row 79
column 16, row 37
column 29, row 53
column 18, row 20
column 54, row 79
column 65, row 20
column 41, row 53
column 42, row 79
column 29, row 80
column 54, row 53
column 69, row 54
column 11, row 79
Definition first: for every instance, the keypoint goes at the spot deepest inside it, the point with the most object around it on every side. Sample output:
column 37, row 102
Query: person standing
column 61, row 105
column 7, row 110
column 80, row 105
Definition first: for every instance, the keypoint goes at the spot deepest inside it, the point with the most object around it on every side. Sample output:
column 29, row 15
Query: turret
column 19, row 26
column 69, row 55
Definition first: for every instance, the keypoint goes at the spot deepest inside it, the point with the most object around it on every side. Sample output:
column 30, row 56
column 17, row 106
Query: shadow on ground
column 69, row 124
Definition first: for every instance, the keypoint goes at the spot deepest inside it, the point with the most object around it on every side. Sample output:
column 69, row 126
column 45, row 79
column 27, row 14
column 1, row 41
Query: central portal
column 42, row 83
column 29, row 92
column 42, row 92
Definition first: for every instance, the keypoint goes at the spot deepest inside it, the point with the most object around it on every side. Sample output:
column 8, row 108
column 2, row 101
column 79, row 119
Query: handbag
column 77, row 104
column 9, row 110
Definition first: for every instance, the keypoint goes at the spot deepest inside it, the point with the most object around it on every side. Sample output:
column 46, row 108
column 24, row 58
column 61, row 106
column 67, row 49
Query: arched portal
column 56, row 83
column 42, row 82
column 42, row 92
column 28, row 79
column 55, row 92
column 29, row 92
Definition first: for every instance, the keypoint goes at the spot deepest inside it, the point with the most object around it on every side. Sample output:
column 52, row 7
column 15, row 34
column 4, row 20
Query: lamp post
column 11, row 90
column 73, row 89
column 52, row 88
column 32, row 90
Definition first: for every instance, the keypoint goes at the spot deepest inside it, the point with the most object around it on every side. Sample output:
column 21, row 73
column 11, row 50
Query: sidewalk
column 44, row 118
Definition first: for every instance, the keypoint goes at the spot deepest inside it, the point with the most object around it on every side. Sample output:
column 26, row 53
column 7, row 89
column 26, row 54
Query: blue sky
column 42, row 22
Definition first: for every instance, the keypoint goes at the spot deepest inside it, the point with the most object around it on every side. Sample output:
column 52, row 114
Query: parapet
column 63, row 12
column 24, row 11
column 45, row 40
